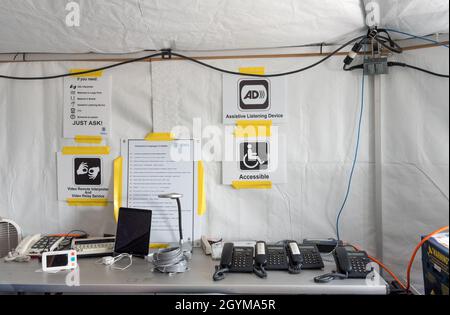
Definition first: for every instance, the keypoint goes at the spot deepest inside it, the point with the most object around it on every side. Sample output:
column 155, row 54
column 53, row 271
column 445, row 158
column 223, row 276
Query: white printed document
column 151, row 168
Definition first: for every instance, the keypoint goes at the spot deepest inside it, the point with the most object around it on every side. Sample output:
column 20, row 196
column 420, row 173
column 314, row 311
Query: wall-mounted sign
column 256, row 159
column 83, row 177
column 253, row 98
column 87, row 105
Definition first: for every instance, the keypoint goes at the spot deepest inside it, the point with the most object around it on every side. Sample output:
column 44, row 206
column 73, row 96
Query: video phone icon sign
column 254, row 94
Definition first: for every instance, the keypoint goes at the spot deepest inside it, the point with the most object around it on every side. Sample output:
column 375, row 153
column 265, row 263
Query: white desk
column 96, row 278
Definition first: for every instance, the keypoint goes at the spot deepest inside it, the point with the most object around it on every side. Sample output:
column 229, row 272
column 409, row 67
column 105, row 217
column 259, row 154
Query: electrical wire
column 405, row 65
column 416, row 249
column 355, row 158
column 275, row 74
column 168, row 54
column 50, row 77
column 399, row 64
column 418, row 37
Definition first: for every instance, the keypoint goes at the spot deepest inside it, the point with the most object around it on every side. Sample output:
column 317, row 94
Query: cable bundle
column 170, row 260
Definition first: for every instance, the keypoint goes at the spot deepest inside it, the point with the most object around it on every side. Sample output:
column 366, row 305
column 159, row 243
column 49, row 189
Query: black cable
column 270, row 75
column 219, row 274
column 399, row 64
column 50, row 77
column 329, row 277
column 180, row 224
column 167, row 54
column 405, row 65
column 260, row 271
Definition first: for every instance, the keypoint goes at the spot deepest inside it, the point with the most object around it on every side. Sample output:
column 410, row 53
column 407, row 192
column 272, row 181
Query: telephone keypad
column 311, row 257
column 242, row 260
column 276, row 258
column 358, row 265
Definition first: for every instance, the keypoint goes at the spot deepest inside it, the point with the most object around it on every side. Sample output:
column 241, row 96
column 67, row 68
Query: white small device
column 59, row 260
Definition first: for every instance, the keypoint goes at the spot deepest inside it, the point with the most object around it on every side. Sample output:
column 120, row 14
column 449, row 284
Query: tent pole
column 378, row 135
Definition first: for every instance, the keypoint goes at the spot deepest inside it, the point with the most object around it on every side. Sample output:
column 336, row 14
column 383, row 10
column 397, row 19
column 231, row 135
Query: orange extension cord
column 411, row 261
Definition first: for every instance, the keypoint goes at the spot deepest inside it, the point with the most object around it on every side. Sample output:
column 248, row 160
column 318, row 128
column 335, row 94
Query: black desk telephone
column 290, row 256
column 234, row 259
column 350, row 264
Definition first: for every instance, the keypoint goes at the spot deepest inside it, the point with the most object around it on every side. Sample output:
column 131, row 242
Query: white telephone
column 21, row 253
column 24, row 247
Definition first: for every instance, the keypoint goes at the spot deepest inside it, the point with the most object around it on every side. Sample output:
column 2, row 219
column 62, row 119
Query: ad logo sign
column 254, row 156
column 254, row 94
column 87, row 171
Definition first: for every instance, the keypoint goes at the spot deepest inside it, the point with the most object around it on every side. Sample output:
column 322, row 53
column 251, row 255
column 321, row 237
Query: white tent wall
column 415, row 147
column 31, row 134
column 134, row 25
column 323, row 107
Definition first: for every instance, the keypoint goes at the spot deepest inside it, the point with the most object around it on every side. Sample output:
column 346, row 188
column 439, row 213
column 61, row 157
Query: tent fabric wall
column 323, row 107
column 31, row 134
column 133, row 25
column 415, row 118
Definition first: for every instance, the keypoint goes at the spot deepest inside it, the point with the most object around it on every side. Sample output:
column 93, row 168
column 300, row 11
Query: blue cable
column 418, row 37
column 355, row 158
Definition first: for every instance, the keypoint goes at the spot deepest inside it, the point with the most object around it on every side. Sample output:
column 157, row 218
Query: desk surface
column 96, row 278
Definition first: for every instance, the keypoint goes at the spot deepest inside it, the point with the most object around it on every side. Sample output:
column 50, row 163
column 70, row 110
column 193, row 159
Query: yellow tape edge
column 160, row 136
column 245, row 123
column 158, row 245
column 264, row 184
column 96, row 74
column 88, row 139
column 118, row 165
column 252, row 131
column 252, row 70
column 101, row 150
column 201, row 189
column 87, row 202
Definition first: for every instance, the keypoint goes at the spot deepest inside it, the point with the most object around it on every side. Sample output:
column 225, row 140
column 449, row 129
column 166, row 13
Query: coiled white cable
column 170, row 260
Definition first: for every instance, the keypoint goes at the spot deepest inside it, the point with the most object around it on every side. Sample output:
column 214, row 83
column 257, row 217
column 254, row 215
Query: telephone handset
column 234, row 259
column 260, row 259
column 22, row 251
column 24, row 247
column 295, row 257
column 352, row 263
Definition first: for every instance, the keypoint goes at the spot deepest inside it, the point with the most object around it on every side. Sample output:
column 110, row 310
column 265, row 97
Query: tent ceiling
column 132, row 25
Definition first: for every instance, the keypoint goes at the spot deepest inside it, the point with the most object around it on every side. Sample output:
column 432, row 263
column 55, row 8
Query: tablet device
column 133, row 232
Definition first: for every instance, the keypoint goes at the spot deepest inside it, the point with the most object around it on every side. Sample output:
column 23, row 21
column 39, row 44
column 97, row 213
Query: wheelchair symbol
column 254, row 156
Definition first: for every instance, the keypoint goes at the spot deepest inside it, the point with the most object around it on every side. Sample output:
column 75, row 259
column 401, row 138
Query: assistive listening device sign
column 254, row 98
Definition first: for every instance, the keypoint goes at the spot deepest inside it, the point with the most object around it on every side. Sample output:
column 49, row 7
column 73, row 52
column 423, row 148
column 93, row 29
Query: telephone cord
column 330, row 276
column 219, row 274
column 260, row 271
column 295, row 269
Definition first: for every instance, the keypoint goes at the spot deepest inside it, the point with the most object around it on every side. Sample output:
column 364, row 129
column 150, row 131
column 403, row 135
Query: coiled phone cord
column 295, row 269
column 330, row 276
column 260, row 271
column 219, row 274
